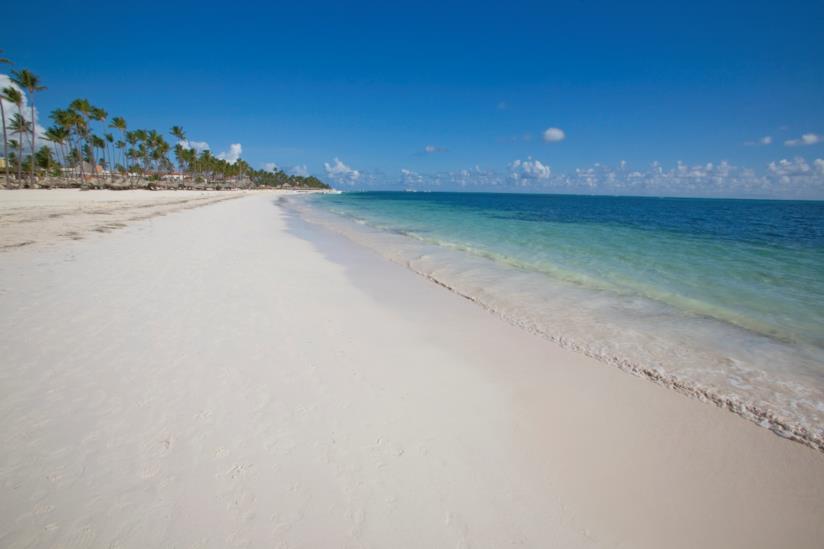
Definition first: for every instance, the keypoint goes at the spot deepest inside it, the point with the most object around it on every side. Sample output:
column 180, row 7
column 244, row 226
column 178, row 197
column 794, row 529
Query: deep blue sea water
column 723, row 299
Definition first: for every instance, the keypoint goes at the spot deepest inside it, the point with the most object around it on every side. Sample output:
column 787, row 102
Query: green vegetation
column 279, row 179
column 83, row 152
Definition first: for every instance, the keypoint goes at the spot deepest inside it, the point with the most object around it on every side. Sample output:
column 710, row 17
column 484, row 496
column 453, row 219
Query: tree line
column 87, row 147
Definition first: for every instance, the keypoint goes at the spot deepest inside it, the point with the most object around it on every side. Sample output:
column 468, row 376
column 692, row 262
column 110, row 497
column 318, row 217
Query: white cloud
column 795, row 178
column 300, row 170
column 270, row 167
column 766, row 140
column 339, row 172
column 529, row 169
column 503, row 105
column 784, row 167
column 806, row 139
column 198, row 146
column 553, row 135
column 432, row 149
column 410, row 178
column 233, row 154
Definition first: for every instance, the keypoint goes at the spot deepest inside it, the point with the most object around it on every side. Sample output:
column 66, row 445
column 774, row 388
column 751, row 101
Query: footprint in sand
column 83, row 538
column 42, row 509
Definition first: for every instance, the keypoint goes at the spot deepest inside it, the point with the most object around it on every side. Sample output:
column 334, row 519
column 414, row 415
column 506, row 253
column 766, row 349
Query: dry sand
column 43, row 217
column 223, row 377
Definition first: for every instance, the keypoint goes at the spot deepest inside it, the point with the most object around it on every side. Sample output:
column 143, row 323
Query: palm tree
column 58, row 135
column 98, row 143
column 14, row 147
column 110, row 147
column 83, row 109
column 204, row 161
column 4, row 61
column 132, row 139
column 74, row 124
column 31, row 83
column 5, row 138
column 122, row 146
column 44, row 158
column 15, row 97
column 142, row 136
column 20, row 126
column 99, row 115
column 119, row 123
column 190, row 157
column 178, row 133
column 180, row 155
column 160, row 153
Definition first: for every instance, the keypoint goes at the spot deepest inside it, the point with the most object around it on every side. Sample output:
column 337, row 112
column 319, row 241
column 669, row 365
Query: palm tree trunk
column 78, row 147
column 33, row 132
column 19, row 156
column 65, row 149
column 110, row 148
column 5, row 142
column 91, row 158
column 58, row 151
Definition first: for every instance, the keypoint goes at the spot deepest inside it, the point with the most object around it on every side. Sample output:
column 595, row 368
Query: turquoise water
column 723, row 299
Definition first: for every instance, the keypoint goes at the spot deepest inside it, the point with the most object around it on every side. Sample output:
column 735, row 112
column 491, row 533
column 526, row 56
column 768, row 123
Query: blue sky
column 459, row 95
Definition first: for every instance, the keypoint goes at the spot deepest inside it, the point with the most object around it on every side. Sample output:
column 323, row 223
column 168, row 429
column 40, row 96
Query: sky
column 670, row 98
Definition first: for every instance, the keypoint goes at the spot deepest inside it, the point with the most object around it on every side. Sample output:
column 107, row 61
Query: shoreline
column 406, row 252
column 226, row 376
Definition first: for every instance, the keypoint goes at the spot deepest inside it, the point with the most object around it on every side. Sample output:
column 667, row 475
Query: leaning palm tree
column 29, row 81
column 74, row 125
column 4, row 61
column 5, row 138
column 14, row 151
column 58, row 135
column 21, row 127
column 15, row 97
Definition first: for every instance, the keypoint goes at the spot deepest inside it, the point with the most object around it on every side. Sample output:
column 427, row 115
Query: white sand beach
column 33, row 218
column 221, row 376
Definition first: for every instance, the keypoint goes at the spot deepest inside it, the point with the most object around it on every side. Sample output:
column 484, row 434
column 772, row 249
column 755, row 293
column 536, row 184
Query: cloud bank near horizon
column 784, row 178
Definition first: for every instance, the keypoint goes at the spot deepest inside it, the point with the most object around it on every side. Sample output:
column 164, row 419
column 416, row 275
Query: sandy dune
column 227, row 377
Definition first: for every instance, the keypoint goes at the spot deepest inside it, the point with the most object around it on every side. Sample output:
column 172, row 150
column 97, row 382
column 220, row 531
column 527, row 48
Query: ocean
column 719, row 299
